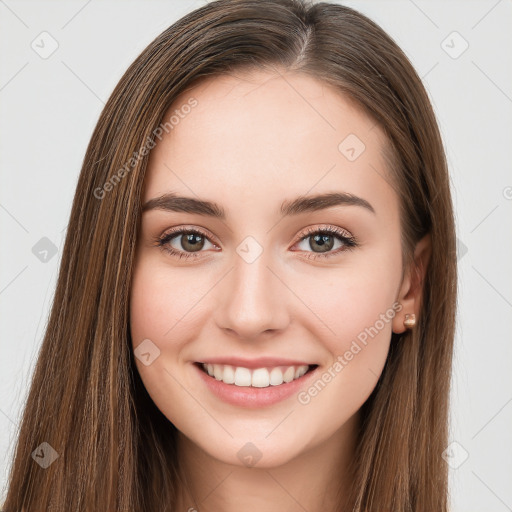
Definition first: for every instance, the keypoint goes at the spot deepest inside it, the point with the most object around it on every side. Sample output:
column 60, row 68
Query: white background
column 50, row 106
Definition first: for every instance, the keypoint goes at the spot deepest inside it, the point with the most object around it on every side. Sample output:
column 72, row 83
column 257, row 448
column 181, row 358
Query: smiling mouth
column 256, row 378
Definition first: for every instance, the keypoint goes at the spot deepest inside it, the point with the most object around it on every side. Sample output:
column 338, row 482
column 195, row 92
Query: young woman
column 256, row 301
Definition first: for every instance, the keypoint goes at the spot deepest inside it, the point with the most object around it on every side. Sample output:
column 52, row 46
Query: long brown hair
column 116, row 450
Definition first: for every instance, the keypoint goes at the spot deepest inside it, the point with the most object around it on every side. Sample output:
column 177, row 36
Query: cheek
column 356, row 308
column 166, row 307
column 159, row 302
column 162, row 310
column 351, row 302
column 147, row 310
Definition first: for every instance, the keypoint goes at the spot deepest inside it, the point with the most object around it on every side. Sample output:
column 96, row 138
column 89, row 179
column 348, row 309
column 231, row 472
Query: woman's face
column 274, row 277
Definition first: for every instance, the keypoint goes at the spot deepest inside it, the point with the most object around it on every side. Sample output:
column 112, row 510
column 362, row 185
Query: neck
column 316, row 480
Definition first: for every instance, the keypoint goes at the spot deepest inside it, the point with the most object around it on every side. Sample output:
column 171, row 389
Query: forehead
column 259, row 136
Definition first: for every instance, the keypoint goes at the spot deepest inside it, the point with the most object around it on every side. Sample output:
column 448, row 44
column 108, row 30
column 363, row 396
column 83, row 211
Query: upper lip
column 260, row 362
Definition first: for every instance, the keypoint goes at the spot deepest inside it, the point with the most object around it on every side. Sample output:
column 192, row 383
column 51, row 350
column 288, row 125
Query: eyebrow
column 303, row 204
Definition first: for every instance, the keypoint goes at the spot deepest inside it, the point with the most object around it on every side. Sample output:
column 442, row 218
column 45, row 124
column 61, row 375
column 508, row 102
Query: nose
column 252, row 300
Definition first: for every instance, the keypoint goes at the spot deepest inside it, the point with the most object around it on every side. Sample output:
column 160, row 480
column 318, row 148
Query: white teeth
column 242, row 377
column 276, row 377
column 300, row 371
column 289, row 374
column 258, row 378
column 218, row 372
column 229, row 375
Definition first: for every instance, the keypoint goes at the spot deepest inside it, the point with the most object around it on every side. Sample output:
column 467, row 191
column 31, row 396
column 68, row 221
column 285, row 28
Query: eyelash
column 350, row 242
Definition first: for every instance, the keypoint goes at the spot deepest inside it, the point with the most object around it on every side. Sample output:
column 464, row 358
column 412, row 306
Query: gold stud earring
column 410, row 321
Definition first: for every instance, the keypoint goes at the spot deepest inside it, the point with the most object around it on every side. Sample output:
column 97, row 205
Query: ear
column 411, row 290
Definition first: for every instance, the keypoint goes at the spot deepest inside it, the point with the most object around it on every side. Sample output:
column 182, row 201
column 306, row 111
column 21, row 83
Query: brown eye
column 323, row 243
column 320, row 242
column 192, row 242
column 184, row 243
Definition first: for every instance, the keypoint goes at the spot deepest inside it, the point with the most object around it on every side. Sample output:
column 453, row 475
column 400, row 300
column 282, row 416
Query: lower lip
column 250, row 397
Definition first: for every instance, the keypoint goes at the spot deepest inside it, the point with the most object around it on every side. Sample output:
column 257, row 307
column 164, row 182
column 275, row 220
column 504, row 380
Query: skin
column 253, row 141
